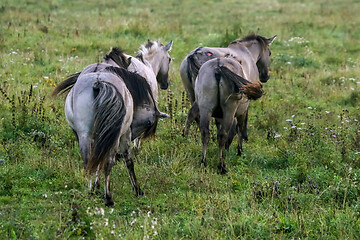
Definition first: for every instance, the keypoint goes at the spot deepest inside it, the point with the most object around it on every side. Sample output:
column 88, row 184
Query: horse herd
column 111, row 103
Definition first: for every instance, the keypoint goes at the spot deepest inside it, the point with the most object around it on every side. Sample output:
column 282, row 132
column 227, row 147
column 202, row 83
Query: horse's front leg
column 129, row 163
column 241, row 129
column 193, row 115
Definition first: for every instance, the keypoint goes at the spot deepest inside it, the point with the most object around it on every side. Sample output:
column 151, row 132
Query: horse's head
column 158, row 56
column 164, row 60
column 263, row 62
column 145, row 120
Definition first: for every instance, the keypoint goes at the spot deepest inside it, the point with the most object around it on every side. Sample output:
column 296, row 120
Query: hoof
column 222, row 170
column 109, row 202
column 138, row 192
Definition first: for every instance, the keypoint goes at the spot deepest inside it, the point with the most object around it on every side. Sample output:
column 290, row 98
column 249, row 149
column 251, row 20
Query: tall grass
column 298, row 176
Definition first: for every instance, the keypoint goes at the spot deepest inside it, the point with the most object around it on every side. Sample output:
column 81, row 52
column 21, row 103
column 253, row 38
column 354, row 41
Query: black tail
column 109, row 116
column 66, row 85
column 192, row 67
column 239, row 84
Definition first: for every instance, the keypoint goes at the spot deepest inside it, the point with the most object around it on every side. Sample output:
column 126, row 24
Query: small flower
column 327, row 112
column 310, row 108
column 45, row 195
column 132, row 222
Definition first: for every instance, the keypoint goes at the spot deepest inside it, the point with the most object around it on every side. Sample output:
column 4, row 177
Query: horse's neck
column 248, row 59
column 144, row 69
column 242, row 50
column 154, row 65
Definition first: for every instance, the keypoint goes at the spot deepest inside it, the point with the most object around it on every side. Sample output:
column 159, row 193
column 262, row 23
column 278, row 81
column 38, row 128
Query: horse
column 191, row 64
column 106, row 107
column 224, row 88
column 152, row 62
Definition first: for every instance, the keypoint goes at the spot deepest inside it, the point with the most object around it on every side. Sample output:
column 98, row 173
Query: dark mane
column 138, row 86
column 140, row 91
column 140, row 57
column 117, row 55
column 252, row 36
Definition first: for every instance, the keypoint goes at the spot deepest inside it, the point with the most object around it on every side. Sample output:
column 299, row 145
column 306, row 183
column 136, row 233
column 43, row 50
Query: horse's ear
column 270, row 40
column 168, row 46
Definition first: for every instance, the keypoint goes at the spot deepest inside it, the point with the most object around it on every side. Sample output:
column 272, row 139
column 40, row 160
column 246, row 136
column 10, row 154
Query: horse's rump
column 109, row 115
column 239, row 84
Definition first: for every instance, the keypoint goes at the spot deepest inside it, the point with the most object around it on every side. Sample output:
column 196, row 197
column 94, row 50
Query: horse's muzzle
column 164, row 86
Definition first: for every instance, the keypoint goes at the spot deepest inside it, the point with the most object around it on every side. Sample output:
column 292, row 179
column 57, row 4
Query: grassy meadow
column 299, row 174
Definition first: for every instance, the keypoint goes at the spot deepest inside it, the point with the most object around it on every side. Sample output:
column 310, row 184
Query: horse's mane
column 138, row 86
column 250, row 37
column 140, row 91
column 148, row 49
column 117, row 55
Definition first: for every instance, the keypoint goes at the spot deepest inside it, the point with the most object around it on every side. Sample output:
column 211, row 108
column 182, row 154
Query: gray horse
column 106, row 107
column 225, row 86
column 244, row 51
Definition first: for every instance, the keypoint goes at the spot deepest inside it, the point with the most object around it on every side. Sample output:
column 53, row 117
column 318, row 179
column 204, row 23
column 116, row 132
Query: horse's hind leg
column 96, row 185
column 193, row 115
column 85, row 145
column 205, row 117
column 228, row 119
column 107, row 171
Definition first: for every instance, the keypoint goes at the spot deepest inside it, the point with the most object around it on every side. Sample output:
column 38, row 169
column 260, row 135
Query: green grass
column 298, row 176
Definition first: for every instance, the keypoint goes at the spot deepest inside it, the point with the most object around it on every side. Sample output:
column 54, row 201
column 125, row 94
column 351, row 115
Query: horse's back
column 144, row 70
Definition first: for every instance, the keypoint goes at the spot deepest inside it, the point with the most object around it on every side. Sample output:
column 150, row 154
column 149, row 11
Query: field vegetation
column 297, row 179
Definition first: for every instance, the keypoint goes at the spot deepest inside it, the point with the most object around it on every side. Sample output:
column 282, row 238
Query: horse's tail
column 66, row 85
column 109, row 115
column 192, row 67
column 239, row 84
